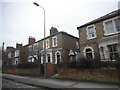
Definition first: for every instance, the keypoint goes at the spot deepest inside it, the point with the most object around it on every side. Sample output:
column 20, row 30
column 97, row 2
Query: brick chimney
column 53, row 30
column 31, row 40
column 18, row 45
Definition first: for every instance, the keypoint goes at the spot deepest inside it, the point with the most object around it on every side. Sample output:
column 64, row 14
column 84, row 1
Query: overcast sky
column 21, row 19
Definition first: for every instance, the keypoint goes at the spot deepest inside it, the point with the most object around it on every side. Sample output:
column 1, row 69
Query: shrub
column 27, row 65
column 82, row 63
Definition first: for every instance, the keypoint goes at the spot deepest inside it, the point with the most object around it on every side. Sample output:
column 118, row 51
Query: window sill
column 54, row 46
column 91, row 38
column 106, row 34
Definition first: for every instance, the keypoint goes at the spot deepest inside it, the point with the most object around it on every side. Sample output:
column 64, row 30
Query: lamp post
column 45, row 74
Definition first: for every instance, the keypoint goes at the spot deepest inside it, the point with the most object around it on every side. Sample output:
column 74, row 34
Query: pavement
column 57, row 83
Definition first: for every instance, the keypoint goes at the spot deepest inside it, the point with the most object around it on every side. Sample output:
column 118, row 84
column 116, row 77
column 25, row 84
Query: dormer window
column 91, row 33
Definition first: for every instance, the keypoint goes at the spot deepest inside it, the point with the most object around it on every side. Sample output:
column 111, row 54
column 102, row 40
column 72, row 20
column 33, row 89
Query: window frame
column 87, row 30
column 56, row 59
column 84, row 51
column 112, row 52
column 53, row 45
column 113, row 24
column 46, row 43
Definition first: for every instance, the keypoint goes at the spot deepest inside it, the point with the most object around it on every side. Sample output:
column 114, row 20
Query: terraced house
column 60, row 46
column 100, row 38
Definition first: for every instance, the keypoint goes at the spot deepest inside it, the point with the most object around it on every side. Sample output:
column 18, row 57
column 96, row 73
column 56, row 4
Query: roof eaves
column 107, row 16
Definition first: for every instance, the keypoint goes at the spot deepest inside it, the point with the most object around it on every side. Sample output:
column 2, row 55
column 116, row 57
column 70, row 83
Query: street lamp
column 44, row 40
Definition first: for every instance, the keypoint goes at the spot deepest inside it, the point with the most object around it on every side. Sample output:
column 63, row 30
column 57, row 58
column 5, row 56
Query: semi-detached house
column 100, row 38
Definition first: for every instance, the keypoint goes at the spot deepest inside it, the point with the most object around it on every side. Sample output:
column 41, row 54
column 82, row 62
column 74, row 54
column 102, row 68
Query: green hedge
column 27, row 65
column 84, row 63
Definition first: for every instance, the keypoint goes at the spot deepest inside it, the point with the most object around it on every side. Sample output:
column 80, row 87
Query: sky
column 20, row 19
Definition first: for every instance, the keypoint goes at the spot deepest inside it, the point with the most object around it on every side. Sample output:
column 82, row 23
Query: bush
column 27, row 65
column 82, row 63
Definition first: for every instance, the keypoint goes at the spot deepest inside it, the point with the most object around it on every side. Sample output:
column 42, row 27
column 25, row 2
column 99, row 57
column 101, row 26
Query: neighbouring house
column 21, row 52
column 60, row 47
column 100, row 37
column 11, row 54
column 8, row 56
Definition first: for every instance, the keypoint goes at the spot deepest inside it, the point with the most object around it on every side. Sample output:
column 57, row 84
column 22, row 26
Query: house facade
column 57, row 48
column 100, row 38
column 8, row 56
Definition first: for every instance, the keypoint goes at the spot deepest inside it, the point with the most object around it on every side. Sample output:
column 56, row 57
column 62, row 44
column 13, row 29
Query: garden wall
column 31, row 71
column 99, row 75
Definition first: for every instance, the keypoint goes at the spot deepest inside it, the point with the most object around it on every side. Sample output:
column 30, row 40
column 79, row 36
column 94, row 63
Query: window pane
column 48, row 57
column 109, row 27
column 91, row 32
column 54, row 41
column 117, row 24
column 113, row 51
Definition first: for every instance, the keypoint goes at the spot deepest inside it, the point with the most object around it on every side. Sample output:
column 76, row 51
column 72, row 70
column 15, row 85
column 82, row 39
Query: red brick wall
column 31, row 71
column 49, row 69
column 107, row 75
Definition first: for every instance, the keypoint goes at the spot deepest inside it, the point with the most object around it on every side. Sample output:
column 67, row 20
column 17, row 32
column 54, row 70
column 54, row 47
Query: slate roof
column 107, row 16
column 61, row 32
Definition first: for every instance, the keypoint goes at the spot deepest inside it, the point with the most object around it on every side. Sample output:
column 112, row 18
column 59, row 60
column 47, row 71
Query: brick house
column 21, row 52
column 60, row 46
column 99, row 38
column 8, row 56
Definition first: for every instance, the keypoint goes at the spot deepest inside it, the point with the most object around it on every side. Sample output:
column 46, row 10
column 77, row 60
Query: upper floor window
column 112, row 26
column 77, row 45
column 91, row 33
column 9, row 55
column 117, row 24
column 47, row 43
column 54, row 41
column 16, row 53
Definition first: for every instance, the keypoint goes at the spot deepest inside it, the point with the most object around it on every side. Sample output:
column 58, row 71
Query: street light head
column 36, row 4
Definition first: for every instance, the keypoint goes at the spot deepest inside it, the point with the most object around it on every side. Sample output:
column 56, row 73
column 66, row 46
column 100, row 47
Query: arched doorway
column 89, row 53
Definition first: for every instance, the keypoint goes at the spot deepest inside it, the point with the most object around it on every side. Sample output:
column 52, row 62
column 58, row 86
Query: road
column 56, row 83
column 12, row 84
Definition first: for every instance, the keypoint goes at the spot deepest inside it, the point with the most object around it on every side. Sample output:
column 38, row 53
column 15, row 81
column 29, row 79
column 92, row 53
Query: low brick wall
column 99, row 75
column 31, row 71
column 49, row 69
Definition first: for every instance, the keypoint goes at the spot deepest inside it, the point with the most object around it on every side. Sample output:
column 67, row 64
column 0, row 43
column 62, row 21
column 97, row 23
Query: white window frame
column 114, row 27
column 43, row 44
column 77, row 45
column 48, row 43
column 88, row 47
column 42, row 59
column 88, row 32
column 56, row 56
column 53, row 41
column 16, row 53
column 50, row 57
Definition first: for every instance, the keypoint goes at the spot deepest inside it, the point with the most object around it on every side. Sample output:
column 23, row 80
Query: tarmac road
column 12, row 84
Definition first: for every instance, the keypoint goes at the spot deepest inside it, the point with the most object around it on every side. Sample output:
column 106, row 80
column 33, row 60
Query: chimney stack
column 18, row 45
column 31, row 40
column 53, row 30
